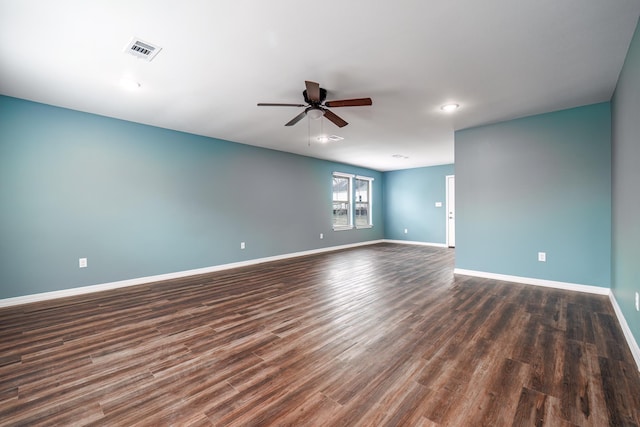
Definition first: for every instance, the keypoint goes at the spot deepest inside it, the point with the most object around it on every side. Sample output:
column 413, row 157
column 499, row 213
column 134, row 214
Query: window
column 342, row 201
column 363, row 202
column 351, row 199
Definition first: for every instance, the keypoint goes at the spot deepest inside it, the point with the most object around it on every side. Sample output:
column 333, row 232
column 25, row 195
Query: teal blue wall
column 541, row 183
column 626, row 187
column 139, row 201
column 410, row 196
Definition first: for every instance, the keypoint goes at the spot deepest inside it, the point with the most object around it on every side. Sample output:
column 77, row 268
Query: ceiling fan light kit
column 314, row 113
column 316, row 107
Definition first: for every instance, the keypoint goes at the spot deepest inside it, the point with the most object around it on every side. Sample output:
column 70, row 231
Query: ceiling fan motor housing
column 323, row 96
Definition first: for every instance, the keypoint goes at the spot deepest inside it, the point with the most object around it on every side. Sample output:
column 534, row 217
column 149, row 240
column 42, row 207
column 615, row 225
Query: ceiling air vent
column 142, row 49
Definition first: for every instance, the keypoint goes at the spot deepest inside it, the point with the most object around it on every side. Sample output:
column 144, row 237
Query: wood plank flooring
column 381, row 335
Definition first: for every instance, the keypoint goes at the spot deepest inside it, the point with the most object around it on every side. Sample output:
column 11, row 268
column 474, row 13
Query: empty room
column 252, row 213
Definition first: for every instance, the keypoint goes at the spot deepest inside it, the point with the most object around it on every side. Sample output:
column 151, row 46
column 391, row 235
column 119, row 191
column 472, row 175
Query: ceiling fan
column 316, row 107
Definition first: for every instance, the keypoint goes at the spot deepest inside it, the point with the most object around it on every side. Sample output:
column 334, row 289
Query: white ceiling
column 499, row 59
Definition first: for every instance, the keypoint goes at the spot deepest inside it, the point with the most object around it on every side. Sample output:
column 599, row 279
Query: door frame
column 447, row 183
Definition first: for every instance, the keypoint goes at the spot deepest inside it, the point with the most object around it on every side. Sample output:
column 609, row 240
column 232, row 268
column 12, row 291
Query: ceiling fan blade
column 271, row 104
column 335, row 118
column 296, row 119
column 313, row 91
column 357, row 102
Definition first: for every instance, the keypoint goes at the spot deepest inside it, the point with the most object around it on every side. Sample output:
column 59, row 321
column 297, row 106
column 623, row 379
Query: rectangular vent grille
column 142, row 49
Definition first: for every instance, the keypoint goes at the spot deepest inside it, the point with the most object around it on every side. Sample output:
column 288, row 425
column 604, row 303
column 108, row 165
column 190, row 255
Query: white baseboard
column 7, row 302
column 631, row 342
column 412, row 242
column 537, row 282
column 633, row 345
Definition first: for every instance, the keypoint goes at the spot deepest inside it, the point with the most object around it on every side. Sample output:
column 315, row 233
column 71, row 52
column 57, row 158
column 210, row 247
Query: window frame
column 352, row 202
column 349, row 177
column 369, row 202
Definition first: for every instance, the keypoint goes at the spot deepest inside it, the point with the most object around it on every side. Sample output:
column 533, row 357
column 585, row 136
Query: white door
column 451, row 211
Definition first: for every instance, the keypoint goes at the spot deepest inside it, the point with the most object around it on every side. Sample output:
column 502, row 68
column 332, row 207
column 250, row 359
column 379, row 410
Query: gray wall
column 139, row 201
column 626, row 187
column 537, row 184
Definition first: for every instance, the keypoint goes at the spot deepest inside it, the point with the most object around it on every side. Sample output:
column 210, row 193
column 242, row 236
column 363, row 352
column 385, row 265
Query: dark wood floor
column 381, row 335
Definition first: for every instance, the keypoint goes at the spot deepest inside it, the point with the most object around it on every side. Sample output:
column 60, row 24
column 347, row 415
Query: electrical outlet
column 637, row 301
column 406, row 230
column 82, row 263
column 438, row 204
column 542, row 256
column 242, row 245
column 321, row 236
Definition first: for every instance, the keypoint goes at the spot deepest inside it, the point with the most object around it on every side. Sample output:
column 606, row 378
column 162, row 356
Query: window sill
column 343, row 228
column 359, row 227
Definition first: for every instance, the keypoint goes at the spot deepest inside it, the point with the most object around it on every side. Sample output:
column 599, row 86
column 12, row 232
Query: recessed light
column 129, row 84
column 449, row 107
column 399, row 156
column 329, row 138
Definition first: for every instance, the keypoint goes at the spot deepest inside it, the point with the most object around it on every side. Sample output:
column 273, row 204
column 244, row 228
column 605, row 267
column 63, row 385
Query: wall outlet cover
column 82, row 262
column 542, row 256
